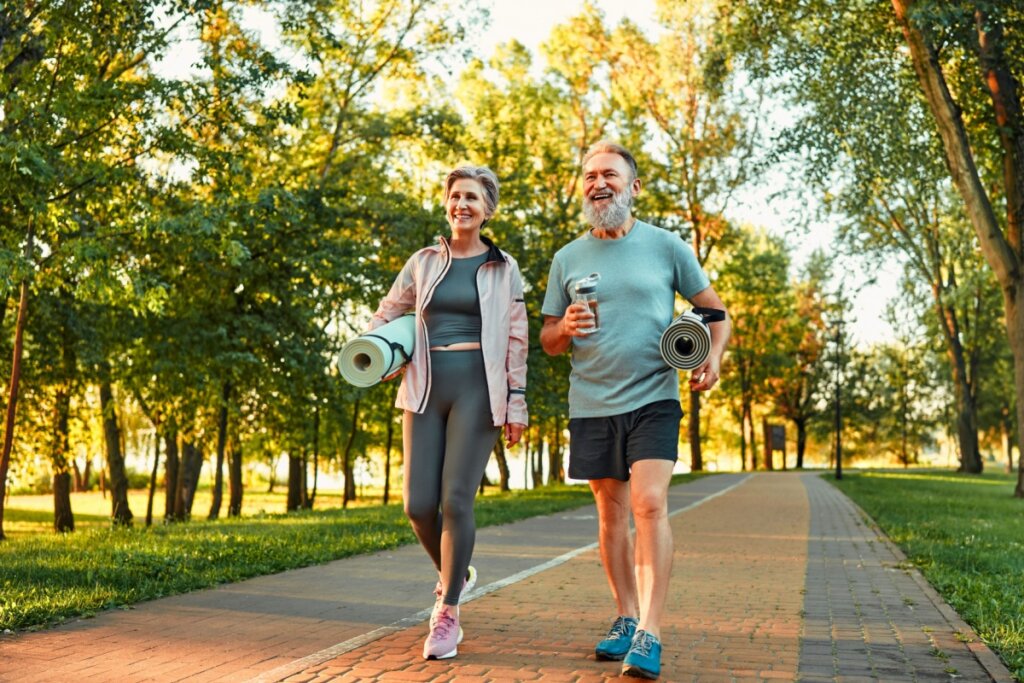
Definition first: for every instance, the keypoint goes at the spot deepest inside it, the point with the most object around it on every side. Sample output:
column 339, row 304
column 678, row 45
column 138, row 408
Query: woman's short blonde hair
column 482, row 175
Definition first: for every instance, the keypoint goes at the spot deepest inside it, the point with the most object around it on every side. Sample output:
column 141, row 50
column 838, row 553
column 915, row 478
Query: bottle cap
column 586, row 289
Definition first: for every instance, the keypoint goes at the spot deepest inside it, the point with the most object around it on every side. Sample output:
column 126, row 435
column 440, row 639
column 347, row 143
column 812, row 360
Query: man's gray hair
column 607, row 147
column 482, row 175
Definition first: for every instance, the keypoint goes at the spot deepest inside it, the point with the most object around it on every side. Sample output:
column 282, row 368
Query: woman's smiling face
column 466, row 207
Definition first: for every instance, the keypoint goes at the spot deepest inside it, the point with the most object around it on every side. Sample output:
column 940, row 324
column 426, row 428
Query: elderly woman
column 466, row 380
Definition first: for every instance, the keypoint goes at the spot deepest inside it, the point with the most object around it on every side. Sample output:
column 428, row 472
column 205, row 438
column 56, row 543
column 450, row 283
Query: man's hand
column 557, row 334
column 513, row 432
column 578, row 316
column 706, row 376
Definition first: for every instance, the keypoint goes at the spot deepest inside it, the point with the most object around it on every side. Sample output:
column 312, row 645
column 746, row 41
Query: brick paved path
column 777, row 577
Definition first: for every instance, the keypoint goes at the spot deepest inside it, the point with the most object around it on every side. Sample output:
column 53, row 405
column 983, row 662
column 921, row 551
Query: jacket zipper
column 428, row 294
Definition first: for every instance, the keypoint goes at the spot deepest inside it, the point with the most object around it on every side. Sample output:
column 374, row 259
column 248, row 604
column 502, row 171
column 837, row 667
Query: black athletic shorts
column 601, row 447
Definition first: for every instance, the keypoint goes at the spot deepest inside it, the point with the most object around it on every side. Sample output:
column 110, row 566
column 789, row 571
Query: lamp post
column 839, row 411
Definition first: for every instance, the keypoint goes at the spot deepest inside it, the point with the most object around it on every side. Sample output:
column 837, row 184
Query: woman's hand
column 397, row 373
column 513, row 432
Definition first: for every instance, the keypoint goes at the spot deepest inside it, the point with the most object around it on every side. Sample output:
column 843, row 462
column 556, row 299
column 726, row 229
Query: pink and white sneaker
column 445, row 634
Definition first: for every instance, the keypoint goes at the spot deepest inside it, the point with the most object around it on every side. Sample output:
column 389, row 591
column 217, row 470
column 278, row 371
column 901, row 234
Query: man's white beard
column 612, row 215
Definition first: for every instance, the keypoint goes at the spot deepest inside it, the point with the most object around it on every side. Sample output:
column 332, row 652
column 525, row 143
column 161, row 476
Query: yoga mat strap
column 710, row 315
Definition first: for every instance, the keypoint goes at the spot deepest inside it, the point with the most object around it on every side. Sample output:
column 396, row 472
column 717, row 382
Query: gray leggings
column 446, row 450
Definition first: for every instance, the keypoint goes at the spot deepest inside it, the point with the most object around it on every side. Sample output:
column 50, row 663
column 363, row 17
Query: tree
column 988, row 34
column 755, row 281
column 798, row 389
column 889, row 181
column 77, row 101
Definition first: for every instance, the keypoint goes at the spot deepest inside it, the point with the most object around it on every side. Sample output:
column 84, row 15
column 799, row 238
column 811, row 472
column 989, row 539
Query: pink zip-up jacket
column 503, row 332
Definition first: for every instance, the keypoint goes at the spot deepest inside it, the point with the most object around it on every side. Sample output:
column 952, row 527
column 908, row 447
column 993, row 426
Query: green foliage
column 964, row 533
column 46, row 579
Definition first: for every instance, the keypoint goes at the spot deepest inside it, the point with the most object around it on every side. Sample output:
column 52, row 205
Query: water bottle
column 586, row 292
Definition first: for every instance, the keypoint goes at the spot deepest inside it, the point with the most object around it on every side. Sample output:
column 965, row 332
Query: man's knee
column 612, row 499
column 649, row 502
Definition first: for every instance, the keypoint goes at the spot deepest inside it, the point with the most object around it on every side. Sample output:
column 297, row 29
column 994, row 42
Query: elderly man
column 623, row 398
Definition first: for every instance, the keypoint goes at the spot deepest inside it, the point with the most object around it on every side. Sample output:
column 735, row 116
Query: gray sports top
column 453, row 314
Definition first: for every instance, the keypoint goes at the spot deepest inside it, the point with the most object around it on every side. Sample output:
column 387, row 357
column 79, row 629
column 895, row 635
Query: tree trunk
column 304, row 480
column 12, row 395
column 171, row 467
column 190, row 465
column 316, row 455
column 60, row 449
column 389, row 442
column 350, row 480
column 801, row 442
column 120, row 512
column 349, row 493
column 195, row 467
column 499, row 457
column 294, row 501
column 556, row 472
column 696, row 457
column 747, row 426
column 179, row 514
column 743, row 439
column 273, row 474
column 967, row 434
column 527, row 468
column 964, row 392
column 63, row 517
column 222, row 439
column 235, row 478
column 1003, row 252
column 77, row 474
column 152, row 477
column 538, row 458
column 1006, row 434
column 1015, row 323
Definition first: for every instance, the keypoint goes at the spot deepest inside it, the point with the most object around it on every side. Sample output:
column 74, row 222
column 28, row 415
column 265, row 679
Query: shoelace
column 645, row 644
column 443, row 624
column 619, row 629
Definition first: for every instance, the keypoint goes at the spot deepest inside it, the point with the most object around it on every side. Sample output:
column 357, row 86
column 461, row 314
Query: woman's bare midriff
column 460, row 346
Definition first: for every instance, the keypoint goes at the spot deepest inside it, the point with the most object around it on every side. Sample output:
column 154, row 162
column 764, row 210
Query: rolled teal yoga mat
column 371, row 357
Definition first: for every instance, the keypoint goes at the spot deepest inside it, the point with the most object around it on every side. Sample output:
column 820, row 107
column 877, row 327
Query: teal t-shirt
column 620, row 368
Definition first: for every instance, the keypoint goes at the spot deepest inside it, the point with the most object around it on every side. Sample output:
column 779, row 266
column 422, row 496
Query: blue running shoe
column 644, row 657
column 616, row 644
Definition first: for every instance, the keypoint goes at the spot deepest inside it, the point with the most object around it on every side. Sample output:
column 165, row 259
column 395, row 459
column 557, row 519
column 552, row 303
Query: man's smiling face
column 608, row 190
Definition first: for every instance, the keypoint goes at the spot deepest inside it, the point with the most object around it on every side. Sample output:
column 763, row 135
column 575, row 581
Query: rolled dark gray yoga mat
column 686, row 342
column 369, row 358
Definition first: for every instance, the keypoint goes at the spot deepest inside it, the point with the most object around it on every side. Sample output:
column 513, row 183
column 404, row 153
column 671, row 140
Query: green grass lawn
column 46, row 577
column 966, row 535
column 33, row 514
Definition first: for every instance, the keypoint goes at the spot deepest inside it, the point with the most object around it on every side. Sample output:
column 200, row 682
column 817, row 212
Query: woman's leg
column 423, row 445
column 470, row 437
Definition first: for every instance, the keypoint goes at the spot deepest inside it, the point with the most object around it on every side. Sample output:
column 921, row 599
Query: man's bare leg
column 649, row 482
column 613, row 506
